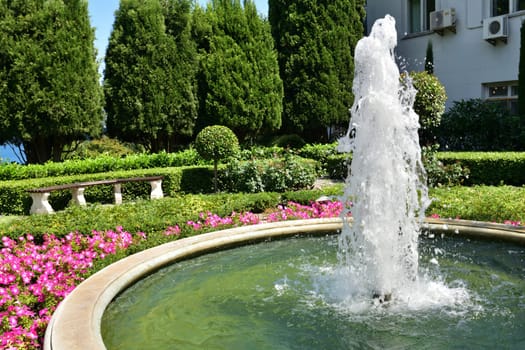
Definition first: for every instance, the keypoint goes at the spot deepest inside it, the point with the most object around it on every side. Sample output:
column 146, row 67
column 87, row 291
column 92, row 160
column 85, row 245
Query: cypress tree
column 429, row 59
column 315, row 42
column 239, row 84
column 150, row 71
column 521, row 76
column 50, row 94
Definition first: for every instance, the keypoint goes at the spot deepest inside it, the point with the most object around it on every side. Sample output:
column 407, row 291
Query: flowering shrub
column 292, row 211
column 210, row 220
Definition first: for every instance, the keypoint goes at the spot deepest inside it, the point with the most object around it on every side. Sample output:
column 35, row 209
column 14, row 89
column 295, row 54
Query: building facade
column 476, row 43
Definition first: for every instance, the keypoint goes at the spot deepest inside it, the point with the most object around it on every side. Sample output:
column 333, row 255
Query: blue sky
column 101, row 13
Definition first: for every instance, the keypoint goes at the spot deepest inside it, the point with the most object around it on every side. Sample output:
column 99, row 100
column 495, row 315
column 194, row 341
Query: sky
column 101, row 13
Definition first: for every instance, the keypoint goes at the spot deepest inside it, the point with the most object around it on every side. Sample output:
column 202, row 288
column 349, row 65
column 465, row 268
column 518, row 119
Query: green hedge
column 188, row 157
column 483, row 168
column 489, row 168
column 101, row 164
column 482, row 203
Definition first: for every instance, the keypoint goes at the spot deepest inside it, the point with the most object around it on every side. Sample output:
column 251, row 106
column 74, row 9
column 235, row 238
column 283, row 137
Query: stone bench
column 40, row 195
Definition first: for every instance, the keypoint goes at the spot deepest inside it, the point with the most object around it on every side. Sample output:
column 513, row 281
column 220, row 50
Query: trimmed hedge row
column 188, row 157
column 489, row 168
column 101, row 164
column 484, row 168
column 482, row 203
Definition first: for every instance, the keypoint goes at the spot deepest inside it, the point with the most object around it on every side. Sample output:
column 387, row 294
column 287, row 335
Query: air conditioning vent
column 495, row 28
column 443, row 19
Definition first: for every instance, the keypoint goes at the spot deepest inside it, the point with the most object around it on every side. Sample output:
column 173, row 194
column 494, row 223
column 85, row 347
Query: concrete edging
column 76, row 322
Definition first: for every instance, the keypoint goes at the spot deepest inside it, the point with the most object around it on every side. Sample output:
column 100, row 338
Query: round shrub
column 216, row 143
column 429, row 104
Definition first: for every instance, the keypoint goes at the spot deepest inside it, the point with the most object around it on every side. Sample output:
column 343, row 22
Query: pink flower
column 173, row 231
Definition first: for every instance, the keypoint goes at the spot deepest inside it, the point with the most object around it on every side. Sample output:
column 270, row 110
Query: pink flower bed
column 34, row 278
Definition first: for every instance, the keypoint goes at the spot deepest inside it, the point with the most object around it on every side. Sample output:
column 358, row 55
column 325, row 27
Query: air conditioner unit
column 443, row 19
column 495, row 28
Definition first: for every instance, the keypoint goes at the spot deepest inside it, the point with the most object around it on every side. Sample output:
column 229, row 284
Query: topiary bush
column 216, row 142
column 429, row 104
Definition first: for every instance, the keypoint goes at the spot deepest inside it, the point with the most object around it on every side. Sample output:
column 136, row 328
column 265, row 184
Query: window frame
column 424, row 7
column 509, row 100
column 512, row 5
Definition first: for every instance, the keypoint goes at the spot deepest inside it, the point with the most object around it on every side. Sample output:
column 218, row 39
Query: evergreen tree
column 50, row 94
column 149, row 81
column 315, row 40
column 239, row 83
column 429, row 58
column 521, row 76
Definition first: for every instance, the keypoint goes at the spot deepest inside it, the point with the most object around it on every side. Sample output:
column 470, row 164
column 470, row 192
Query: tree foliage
column 480, row 125
column 50, row 94
column 521, row 74
column 149, row 81
column 239, row 83
column 429, row 58
column 315, row 41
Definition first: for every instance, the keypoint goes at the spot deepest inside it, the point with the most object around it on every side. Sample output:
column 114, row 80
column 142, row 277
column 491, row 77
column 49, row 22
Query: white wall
column 463, row 61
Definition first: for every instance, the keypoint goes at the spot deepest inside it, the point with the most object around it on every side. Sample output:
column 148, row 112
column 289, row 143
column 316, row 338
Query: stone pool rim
column 76, row 323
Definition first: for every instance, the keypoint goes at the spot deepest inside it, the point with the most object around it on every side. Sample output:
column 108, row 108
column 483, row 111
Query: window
column 500, row 7
column 503, row 7
column 505, row 94
column 419, row 14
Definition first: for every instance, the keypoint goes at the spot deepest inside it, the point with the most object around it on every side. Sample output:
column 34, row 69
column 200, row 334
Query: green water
column 278, row 295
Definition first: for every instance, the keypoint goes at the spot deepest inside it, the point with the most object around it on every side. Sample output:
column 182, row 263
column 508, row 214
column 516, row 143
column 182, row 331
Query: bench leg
column 78, row 195
column 117, row 191
column 41, row 204
column 156, row 189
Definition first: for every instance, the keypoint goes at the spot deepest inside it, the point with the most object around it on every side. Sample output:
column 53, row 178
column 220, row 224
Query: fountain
column 387, row 178
column 378, row 284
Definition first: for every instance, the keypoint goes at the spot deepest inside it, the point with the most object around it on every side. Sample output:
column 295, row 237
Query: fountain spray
column 387, row 180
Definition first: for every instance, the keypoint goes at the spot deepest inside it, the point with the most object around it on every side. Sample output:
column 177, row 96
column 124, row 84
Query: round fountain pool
column 283, row 295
